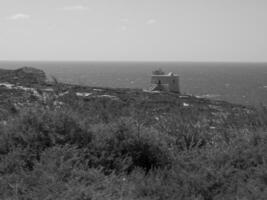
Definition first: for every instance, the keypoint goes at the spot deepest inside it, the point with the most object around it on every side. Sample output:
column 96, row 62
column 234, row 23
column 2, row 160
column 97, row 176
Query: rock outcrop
column 24, row 75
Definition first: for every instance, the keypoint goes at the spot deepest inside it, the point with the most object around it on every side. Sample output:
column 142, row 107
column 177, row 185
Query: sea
column 241, row 83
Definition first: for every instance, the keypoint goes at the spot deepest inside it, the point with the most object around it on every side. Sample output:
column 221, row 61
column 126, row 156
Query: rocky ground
column 27, row 86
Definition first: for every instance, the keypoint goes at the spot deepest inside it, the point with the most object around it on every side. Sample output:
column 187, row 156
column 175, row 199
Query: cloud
column 151, row 21
column 75, row 8
column 19, row 16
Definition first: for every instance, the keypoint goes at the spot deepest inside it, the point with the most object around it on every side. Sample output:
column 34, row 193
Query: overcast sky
column 134, row 30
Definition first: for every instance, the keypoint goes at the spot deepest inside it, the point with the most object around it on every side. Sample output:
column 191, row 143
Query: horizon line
column 138, row 61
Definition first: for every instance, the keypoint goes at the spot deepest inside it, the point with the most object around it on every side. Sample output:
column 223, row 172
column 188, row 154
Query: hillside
column 63, row 141
column 28, row 86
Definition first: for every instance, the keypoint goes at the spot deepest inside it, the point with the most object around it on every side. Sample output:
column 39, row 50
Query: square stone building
column 165, row 82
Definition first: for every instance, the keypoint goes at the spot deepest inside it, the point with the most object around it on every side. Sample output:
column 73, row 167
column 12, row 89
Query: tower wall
column 171, row 80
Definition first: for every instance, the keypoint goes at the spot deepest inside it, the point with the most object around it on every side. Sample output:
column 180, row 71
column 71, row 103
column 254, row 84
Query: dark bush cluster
column 113, row 147
column 118, row 146
column 39, row 128
column 61, row 153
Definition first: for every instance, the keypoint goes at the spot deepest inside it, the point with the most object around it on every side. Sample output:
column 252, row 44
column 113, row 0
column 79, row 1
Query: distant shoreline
column 240, row 83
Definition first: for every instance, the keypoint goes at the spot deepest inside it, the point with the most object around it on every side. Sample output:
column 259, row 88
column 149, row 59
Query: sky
column 134, row 30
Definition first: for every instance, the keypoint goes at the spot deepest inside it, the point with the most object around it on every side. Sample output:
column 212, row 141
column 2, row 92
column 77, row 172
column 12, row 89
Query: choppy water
column 244, row 83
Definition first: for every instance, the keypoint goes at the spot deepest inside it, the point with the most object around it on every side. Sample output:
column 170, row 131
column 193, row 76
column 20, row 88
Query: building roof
column 158, row 72
column 169, row 74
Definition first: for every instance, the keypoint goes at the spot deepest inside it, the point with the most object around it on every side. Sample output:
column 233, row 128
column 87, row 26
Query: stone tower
column 165, row 82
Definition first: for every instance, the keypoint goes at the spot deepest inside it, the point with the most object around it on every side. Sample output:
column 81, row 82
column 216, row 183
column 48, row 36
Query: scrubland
column 131, row 145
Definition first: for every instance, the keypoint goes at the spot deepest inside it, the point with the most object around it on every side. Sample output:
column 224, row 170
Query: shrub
column 222, row 171
column 187, row 133
column 40, row 128
column 119, row 147
column 57, row 175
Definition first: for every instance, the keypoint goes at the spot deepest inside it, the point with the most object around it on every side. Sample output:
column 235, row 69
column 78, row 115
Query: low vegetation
column 136, row 146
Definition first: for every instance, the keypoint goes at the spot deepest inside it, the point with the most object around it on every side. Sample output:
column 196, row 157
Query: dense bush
column 61, row 153
column 39, row 128
column 119, row 146
column 188, row 133
column 57, row 175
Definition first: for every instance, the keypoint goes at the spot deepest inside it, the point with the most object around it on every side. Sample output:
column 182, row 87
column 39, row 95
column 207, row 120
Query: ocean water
column 242, row 83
